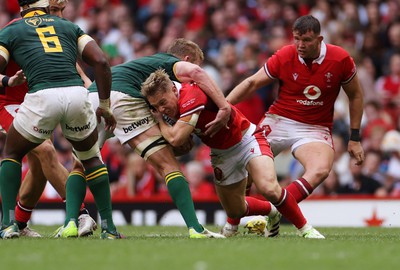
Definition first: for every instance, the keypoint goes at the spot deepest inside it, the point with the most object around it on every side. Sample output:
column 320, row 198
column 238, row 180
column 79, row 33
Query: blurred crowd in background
column 237, row 36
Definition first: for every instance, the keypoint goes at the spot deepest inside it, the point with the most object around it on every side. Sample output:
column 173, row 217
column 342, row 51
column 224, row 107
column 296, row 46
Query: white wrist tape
column 104, row 104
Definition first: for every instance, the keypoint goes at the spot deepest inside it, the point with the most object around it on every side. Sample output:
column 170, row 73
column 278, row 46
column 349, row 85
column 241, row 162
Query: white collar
column 178, row 86
column 320, row 58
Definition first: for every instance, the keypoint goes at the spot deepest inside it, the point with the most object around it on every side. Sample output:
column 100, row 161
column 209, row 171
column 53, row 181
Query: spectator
column 391, row 145
column 361, row 184
column 138, row 179
column 198, row 183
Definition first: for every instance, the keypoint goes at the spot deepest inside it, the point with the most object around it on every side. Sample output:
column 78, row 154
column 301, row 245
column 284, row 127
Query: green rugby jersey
column 128, row 77
column 46, row 49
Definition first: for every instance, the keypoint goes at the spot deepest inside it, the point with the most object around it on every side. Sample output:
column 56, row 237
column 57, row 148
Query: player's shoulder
column 165, row 57
column 190, row 89
column 13, row 22
column 11, row 26
column 287, row 52
column 336, row 52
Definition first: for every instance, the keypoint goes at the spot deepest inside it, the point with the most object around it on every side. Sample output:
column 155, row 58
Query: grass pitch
column 170, row 248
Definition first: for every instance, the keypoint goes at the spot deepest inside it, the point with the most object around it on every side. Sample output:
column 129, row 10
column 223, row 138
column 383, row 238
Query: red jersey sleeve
column 349, row 69
column 191, row 99
column 273, row 65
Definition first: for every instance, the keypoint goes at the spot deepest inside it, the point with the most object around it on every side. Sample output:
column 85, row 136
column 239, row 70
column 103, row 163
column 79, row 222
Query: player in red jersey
column 311, row 74
column 235, row 152
column 43, row 160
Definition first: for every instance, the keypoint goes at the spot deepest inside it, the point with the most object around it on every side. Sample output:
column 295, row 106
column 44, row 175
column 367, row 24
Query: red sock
column 22, row 213
column 257, row 207
column 82, row 206
column 300, row 189
column 254, row 207
column 233, row 221
column 289, row 208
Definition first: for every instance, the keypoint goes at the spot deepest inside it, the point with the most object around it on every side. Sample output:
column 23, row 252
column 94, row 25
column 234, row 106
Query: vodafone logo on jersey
column 312, row 93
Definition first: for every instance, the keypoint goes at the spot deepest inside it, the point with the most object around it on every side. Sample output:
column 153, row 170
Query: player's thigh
column 45, row 152
column 78, row 119
column 151, row 146
column 317, row 160
column 133, row 117
column 232, row 198
column 263, row 173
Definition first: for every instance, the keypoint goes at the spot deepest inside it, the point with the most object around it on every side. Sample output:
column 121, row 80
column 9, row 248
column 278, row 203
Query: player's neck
column 309, row 62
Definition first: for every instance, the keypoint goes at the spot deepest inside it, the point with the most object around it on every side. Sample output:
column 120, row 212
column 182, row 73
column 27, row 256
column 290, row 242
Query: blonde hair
column 158, row 81
column 182, row 47
column 59, row 1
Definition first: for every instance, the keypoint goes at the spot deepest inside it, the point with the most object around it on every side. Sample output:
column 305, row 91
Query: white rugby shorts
column 43, row 110
column 133, row 116
column 230, row 164
column 282, row 133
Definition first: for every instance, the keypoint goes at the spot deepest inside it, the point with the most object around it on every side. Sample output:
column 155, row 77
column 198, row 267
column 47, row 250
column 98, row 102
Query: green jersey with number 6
column 128, row 77
column 46, row 48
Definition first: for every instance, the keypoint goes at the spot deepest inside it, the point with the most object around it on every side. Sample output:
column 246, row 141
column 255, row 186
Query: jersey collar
column 178, row 86
column 320, row 58
column 34, row 13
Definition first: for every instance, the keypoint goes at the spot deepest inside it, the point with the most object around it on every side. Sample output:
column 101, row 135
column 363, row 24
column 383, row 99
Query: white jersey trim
column 266, row 71
column 200, row 108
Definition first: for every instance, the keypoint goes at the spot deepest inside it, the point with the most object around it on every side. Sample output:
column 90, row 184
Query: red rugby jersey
column 193, row 99
column 12, row 95
column 308, row 95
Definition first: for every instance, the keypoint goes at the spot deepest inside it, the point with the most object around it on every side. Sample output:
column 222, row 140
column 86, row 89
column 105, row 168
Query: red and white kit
column 10, row 98
column 231, row 149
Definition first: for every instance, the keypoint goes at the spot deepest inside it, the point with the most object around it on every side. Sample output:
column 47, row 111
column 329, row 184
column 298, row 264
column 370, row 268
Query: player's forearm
column 356, row 105
column 210, row 88
column 178, row 134
column 95, row 57
column 103, row 80
column 240, row 93
column 206, row 84
column 171, row 134
column 356, row 102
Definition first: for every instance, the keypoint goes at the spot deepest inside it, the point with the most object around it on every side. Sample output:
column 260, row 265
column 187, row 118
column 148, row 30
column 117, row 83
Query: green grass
column 170, row 248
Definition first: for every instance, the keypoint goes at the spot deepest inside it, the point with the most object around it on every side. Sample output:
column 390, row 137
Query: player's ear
column 320, row 38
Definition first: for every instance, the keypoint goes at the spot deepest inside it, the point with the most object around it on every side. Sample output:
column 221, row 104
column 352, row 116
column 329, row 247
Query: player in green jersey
column 46, row 48
column 43, row 162
column 137, row 127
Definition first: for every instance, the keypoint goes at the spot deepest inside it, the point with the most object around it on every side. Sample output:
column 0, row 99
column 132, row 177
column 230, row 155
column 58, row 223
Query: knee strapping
column 91, row 153
column 150, row 146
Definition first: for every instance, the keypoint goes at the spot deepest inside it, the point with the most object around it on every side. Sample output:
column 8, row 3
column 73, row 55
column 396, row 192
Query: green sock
column 179, row 191
column 76, row 192
column 10, row 182
column 98, row 182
